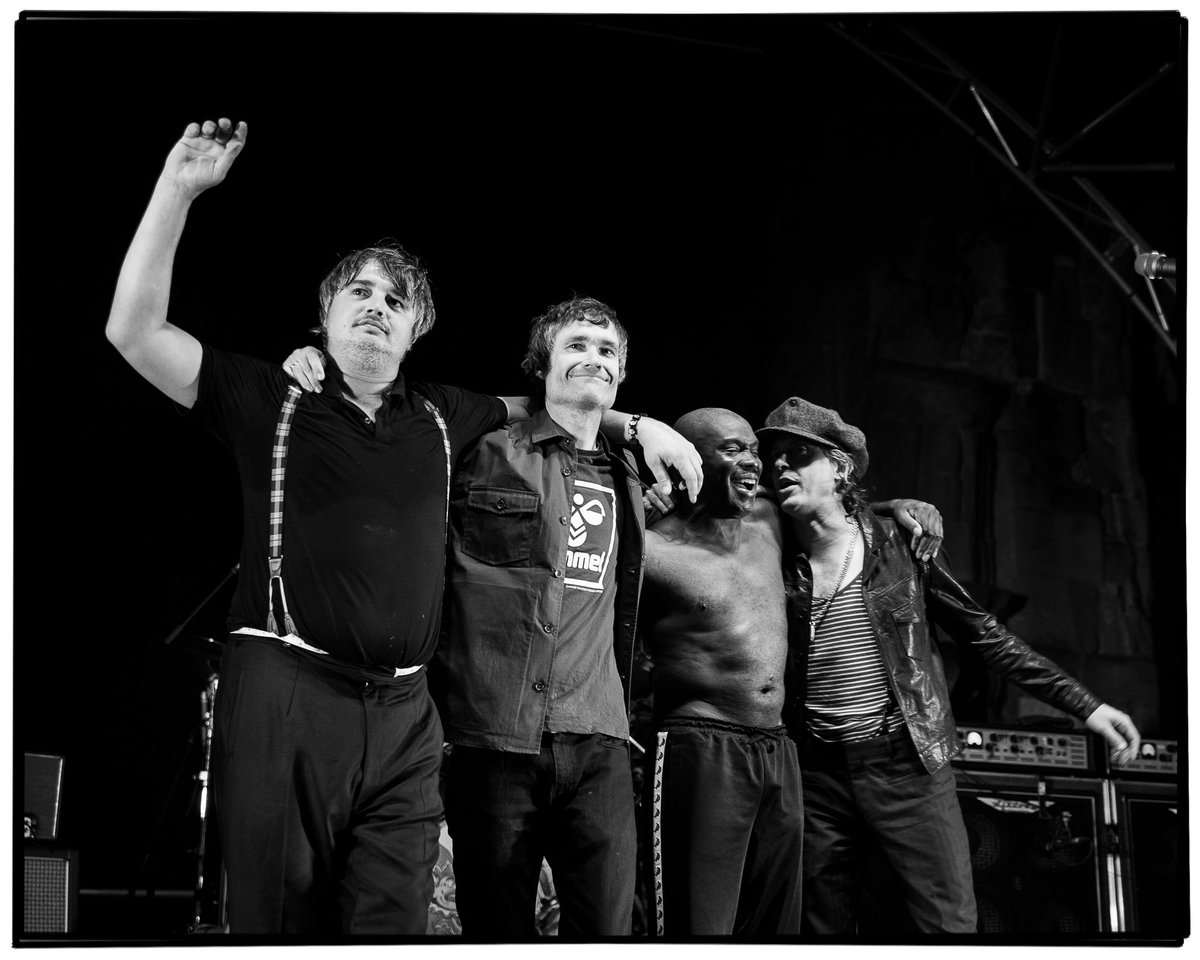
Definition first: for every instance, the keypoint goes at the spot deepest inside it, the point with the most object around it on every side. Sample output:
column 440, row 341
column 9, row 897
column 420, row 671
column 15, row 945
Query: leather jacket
column 902, row 596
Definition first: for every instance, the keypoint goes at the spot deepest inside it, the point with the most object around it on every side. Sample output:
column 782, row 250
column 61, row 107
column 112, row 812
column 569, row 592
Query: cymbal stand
column 207, row 700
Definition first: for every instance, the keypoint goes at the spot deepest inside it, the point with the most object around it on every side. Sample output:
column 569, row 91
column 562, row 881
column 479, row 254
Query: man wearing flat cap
column 867, row 697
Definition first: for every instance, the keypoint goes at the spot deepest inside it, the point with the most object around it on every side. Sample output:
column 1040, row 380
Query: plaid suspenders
column 279, row 450
column 283, row 427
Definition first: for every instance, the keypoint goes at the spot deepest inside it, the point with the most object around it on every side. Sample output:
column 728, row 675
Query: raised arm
column 137, row 324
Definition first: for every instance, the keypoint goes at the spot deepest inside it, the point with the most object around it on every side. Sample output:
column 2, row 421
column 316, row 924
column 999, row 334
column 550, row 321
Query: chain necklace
column 821, row 607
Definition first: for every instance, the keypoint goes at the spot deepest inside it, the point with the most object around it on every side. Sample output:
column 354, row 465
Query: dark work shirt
column 364, row 505
column 510, row 536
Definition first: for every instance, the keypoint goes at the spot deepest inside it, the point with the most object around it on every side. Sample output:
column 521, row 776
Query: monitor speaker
column 51, row 890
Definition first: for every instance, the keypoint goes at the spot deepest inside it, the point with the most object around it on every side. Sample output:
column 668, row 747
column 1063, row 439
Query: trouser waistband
column 896, row 743
column 728, row 726
column 357, row 672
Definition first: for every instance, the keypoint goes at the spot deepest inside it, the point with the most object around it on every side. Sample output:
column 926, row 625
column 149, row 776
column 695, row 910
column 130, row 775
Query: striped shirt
column 848, row 695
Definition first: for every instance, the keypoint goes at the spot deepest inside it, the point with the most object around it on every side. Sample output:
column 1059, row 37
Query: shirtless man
column 724, row 802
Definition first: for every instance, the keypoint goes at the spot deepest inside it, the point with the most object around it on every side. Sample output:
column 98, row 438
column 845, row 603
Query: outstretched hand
column 204, row 154
column 307, row 367
column 1118, row 730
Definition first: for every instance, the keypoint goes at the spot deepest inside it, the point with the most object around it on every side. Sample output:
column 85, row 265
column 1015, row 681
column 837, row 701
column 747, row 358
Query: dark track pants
column 325, row 793
column 571, row 803
column 725, row 830
column 878, row 792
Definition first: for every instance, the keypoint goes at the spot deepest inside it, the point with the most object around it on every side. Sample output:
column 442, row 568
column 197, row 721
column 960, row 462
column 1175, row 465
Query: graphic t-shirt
column 585, row 689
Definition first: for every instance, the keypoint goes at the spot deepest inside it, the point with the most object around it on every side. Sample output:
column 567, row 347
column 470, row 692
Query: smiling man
column 724, row 817
column 546, row 543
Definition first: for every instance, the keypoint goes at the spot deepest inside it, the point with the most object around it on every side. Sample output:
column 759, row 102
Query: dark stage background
column 769, row 211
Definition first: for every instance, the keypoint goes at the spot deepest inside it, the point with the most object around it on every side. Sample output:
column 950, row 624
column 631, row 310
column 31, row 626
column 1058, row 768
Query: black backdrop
column 646, row 161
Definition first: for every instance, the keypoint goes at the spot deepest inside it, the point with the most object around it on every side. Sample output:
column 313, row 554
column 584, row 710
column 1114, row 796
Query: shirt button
column 566, row 471
column 562, row 520
column 500, row 504
column 548, row 627
column 539, row 685
column 556, row 574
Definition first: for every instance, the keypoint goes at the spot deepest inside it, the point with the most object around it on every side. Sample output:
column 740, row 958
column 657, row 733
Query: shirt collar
column 334, row 377
column 543, row 427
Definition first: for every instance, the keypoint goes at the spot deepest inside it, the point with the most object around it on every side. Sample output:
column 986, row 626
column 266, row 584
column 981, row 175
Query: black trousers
column 572, row 803
column 325, row 793
column 725, row 830
column 877, row 792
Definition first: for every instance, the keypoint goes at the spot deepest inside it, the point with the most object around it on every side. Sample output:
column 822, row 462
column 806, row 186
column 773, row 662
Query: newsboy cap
column 819, row 424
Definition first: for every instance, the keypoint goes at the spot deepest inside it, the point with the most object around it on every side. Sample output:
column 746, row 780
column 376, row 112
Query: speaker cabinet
column 51, row 890
column 1040, row 853
column 43, row 789
column 1153, row 884
column 1041, row 860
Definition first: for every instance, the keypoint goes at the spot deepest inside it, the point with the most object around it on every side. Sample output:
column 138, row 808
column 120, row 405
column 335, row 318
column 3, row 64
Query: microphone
column 1154, row 266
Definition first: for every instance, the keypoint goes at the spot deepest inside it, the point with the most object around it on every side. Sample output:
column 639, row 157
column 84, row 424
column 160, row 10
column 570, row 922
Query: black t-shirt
column 364, row 505
column 586, row 695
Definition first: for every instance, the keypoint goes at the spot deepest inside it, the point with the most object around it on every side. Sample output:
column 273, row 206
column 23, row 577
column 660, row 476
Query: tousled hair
column 405, row 271
column 543, row 330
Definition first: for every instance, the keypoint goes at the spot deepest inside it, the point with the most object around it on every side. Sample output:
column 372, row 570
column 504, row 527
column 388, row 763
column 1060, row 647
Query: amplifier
column 1156, row 759
column 1027, row 748
column 1042, row 860
column 51, row 890
column 43, row 789
column 1041, row 854
column 1153, row 858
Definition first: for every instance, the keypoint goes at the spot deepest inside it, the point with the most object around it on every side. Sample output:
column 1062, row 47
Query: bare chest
column 711, row 582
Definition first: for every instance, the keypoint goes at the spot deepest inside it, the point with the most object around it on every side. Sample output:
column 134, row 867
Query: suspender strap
column 437, row 416
column 283, row 427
